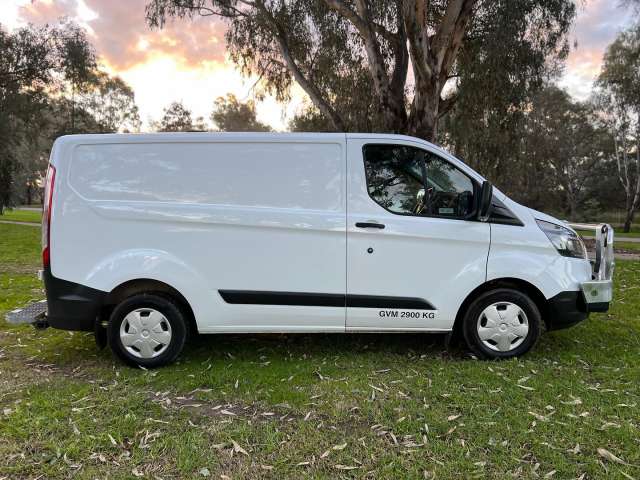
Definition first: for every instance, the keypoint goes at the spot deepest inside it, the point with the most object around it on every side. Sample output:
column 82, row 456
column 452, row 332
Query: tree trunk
column 632, row 204
column 572, row 210
column 627, row 222
column 423, row 119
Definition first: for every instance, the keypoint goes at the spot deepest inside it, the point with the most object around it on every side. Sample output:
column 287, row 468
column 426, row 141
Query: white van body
column 257, row 233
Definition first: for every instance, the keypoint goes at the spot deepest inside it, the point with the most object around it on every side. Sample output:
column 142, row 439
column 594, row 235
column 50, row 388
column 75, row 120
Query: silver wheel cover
column 503, row 326
column 145, row 333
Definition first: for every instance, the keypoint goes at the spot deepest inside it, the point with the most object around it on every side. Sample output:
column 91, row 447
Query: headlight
column 566, row 241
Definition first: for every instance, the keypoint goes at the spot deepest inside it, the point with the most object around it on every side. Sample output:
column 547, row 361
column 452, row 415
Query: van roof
column 209, row 136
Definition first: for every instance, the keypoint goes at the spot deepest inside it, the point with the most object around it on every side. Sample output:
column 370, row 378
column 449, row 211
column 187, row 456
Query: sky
column 186, row 61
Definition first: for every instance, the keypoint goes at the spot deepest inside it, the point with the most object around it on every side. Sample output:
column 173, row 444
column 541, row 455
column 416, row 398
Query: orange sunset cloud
column 123, row 39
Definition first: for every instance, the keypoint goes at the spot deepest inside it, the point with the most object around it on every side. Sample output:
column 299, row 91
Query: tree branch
column 361, row 20
column 448, row 38
column 342, row 8
column 447, row 104
column 413, row 15
column 401, row 55
column 456, row 37
column 312, row 90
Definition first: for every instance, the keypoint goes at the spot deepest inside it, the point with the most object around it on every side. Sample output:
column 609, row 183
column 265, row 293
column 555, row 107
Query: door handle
column 369, row 225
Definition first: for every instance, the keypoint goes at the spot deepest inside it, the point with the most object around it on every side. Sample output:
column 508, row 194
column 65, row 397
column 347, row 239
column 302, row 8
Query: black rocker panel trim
column 251, row 297
column 376, row 301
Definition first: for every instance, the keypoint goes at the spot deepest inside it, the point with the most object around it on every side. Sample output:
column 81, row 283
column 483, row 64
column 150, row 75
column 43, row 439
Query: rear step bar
column 34, row 313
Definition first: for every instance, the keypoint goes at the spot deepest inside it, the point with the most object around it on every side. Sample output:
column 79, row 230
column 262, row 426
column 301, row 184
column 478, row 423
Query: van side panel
column 261, row 215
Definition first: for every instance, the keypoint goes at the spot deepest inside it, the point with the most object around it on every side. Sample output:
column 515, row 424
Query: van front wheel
column 147, row 330
column 502, row 323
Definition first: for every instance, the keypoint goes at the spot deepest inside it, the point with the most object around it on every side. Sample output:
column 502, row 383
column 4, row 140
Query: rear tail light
column 46, row 215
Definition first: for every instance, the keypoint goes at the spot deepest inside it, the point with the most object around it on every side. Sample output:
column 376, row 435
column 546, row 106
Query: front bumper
column 597, row 295
column 571, row 307
column 598, row 292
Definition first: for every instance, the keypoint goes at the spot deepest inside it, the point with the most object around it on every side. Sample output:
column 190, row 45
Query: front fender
column 529, row 256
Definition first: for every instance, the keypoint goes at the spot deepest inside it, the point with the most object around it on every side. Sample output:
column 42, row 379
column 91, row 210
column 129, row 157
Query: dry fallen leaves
column 238, row 449
column 607, row 455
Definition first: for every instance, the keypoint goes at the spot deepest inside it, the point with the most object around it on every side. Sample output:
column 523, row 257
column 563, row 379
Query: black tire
column 177, row 327
column 475, row 310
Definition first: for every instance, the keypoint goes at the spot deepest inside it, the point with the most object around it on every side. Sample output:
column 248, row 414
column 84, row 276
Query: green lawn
column 318, row 406
column 617, row 233
column 633, row 246
column 21, row 216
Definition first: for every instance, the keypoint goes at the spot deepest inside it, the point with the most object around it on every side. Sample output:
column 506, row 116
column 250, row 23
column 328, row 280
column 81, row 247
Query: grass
column 317, row 406
column 617, row 229
column 632, row 246
column 631, row 234
column 22, row 216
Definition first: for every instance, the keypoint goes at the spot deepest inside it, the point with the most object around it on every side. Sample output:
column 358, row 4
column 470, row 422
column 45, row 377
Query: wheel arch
column 507, row 282
column 148, row 285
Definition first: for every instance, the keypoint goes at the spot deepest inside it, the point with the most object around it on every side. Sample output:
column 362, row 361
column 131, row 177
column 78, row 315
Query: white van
column 149, row 237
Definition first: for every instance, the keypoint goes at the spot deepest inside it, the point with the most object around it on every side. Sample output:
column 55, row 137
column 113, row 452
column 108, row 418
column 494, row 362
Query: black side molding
column 251, row 297
column 374, row 301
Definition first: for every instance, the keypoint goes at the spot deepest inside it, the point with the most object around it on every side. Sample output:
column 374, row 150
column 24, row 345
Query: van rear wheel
column 502, row 323
column 147, row 330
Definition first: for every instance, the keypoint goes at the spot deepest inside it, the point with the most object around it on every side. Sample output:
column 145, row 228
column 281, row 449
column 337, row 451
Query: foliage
column 564, row 144
column 111, row 103
column 30, row 59
column 310, row 119
column 231, row 115
column 352, row 57
column 619, row 97
column 178, row 118
column 543, row 154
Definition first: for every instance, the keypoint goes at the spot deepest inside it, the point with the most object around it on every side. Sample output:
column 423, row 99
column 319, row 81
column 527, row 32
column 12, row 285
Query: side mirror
column 484, row 206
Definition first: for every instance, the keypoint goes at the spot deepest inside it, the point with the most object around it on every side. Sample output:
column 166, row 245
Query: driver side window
column 410, row 181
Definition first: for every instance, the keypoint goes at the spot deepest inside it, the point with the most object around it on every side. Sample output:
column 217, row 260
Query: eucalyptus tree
column 111, row 103
column 231, row 115
column 619, row 97
column 178, row 118
column 565, row 139
column 34, row 63
column 399, row 57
